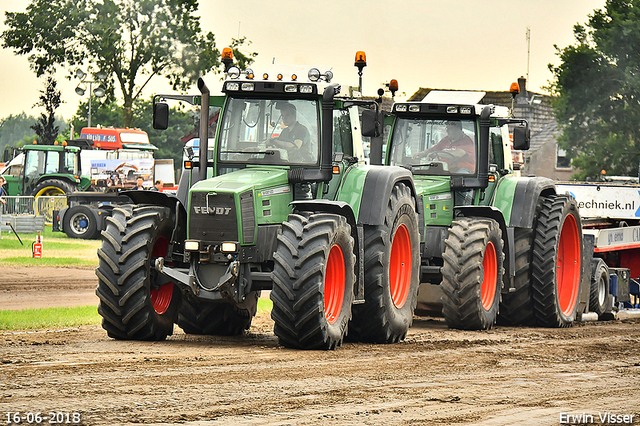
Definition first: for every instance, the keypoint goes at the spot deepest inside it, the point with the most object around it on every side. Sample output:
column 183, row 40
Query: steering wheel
column 441, row 156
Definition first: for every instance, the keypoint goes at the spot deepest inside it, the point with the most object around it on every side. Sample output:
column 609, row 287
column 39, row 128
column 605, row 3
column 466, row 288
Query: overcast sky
column 453, row 44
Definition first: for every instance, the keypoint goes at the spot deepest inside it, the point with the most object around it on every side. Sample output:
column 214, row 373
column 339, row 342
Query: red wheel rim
column 161, row 297
column 489, row 284
column 334, row 283
column 400, row 266
column 568, row 267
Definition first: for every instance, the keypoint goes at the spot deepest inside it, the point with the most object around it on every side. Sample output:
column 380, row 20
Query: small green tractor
column 277, row 205
column 45, row 170
column 494, row 247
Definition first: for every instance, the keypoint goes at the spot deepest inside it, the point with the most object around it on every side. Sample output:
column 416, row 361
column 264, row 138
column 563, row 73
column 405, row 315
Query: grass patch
column 264, row 305
column 60, row 262
column 27, row 319
column 58, row 250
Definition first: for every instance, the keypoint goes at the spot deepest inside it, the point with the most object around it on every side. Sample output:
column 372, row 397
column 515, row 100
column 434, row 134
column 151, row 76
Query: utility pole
column 528, row 54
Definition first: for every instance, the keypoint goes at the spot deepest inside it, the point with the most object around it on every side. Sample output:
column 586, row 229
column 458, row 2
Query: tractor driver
column 456, row 149
column 294, row 137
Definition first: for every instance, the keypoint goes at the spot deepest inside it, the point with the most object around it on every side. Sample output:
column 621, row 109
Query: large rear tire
column 313, row 281
column 556, row 264
column 516, row 308
column 392, row 273
column 217, row 319
column 472, row 274
column 136, row 302
column 53, row 187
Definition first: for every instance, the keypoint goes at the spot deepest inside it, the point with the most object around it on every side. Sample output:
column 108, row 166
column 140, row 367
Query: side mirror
column 521, row 138
column 160, row 116
column 370, row 124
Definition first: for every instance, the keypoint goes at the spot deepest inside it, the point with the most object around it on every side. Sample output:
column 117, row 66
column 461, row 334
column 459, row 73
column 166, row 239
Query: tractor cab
column 458, row 149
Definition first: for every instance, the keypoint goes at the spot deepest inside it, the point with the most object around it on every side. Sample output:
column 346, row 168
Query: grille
column 248, row 217
column 212, row 217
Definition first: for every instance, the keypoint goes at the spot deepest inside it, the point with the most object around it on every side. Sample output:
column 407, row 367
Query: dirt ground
column 506, row 376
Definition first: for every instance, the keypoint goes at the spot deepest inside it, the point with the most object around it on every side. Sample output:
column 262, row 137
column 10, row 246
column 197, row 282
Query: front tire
column 313, row 281
column 392, row 273
column 472, row 274
column 136, row 302
column 556, row 264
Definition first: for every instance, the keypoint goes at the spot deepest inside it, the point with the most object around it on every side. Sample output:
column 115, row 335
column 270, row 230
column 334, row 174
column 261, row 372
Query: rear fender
column 376, row 191
column 518, row 199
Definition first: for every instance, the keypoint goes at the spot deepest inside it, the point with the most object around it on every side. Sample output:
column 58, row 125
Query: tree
column 597, row 88
column 130, row 40
column 45, row 126
column 15, row 127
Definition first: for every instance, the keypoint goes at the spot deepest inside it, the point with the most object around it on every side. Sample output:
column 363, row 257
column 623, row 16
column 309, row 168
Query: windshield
column 435, row 146
column 268, row 131
column 134, row 137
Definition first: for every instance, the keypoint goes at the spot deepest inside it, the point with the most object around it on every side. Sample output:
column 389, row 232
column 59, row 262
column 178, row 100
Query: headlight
column 290, row 88
column 465, row 110
column 192, row 245
column 314, row 74
column 452, row 110
column 401, row 108
column 306, row 88
column 414, row 108
column 234, row 72
column 233, row 86
column 247, row 87
column 228, row 247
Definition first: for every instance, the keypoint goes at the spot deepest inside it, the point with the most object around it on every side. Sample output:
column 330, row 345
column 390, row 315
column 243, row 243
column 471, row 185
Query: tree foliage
column 131, row 41
column 597, row 88
column 14, row 128
column 45, row 127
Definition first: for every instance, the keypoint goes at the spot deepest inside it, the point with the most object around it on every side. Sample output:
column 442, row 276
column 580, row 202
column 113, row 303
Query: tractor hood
column 243, row 180
column 231, row 207
column 432, row 185
column 437, row 199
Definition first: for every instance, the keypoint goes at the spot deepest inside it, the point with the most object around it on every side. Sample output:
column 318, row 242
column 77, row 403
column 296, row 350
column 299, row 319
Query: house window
column 563, row 161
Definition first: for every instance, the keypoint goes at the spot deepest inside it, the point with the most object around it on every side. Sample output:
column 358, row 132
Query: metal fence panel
column 17, row 205
column 46, row 205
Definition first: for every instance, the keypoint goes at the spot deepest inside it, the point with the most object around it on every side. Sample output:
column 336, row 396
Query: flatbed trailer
column 610, row 214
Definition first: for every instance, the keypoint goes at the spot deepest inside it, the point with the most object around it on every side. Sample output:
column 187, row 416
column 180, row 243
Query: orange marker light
column 227, row 53
column 361, row 59
column 515, row 88
column 336, row 170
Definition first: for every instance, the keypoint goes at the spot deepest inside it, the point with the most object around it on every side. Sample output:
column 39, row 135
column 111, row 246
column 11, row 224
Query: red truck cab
column 117, row 138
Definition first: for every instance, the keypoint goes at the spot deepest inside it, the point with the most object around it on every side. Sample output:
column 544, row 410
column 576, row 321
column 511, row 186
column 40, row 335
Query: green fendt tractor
column 45, row 170
column 494, row 246
column 284, row 202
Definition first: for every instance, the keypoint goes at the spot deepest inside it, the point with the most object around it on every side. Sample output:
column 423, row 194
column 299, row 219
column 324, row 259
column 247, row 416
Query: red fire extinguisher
column 37, row 247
